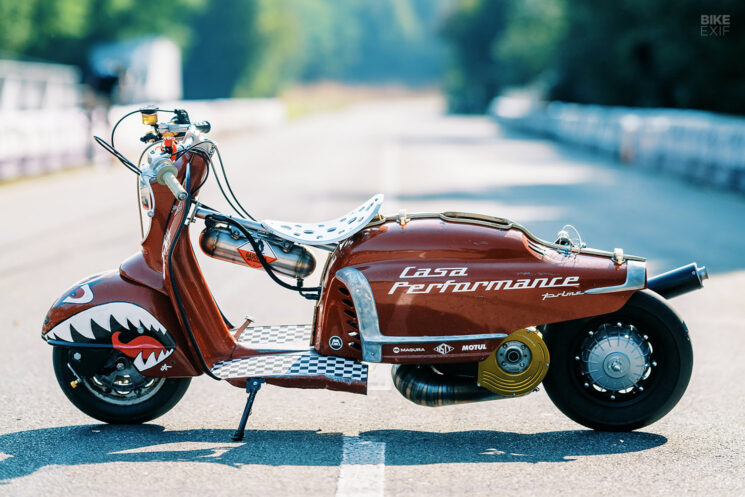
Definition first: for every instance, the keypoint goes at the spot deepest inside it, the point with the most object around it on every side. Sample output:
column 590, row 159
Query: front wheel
column 109, row 388
column 620, row 371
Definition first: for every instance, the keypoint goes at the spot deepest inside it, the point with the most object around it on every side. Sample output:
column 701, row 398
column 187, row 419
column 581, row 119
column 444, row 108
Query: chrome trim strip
column 367, row 318
column 636, row 278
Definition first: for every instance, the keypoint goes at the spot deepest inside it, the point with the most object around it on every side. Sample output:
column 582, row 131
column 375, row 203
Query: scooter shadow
column 22, row 453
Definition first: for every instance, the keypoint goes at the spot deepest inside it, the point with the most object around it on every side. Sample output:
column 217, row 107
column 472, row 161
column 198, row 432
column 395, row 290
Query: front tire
column 110, row 387
column 620, row 371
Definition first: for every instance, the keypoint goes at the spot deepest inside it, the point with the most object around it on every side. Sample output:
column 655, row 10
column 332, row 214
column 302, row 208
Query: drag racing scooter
column 466, row 307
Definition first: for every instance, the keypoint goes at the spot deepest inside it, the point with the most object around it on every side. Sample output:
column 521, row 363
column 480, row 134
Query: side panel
column 432, row 277
column 108, row 311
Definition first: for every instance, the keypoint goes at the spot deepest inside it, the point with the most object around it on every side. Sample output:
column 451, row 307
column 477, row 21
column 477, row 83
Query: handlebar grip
column 203, row 126
column 167, row 176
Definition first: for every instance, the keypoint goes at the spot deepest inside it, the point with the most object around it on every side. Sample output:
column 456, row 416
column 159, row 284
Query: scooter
column 466, row 307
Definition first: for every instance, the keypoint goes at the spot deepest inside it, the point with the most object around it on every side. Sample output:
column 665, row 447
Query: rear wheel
column 109, row 388
column 620, row 371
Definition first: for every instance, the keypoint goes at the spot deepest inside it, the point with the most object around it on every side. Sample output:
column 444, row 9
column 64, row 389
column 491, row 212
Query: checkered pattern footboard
column 260, row 337
column 305, row 363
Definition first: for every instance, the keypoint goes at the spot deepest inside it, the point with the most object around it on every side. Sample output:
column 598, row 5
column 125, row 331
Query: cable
column 227, row 183
column 270, row 271
column 240, row 210
column 187, row 184
column 113, row 130
column 110, row 149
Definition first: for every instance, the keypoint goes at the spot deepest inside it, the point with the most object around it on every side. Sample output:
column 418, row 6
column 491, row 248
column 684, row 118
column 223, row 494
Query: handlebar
column 167, row 176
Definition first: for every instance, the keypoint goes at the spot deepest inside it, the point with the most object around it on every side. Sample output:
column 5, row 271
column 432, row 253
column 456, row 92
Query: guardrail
column 37, row 141
column 702, row 146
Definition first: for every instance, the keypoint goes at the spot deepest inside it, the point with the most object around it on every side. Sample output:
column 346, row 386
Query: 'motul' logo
column 715, row 24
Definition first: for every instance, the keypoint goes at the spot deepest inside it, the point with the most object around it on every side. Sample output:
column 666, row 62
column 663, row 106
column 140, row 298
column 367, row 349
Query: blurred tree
column 471, row 77
column 352, row 41
column 642, row 53
column 636, row 52
column 242, row 47
column 225, row 43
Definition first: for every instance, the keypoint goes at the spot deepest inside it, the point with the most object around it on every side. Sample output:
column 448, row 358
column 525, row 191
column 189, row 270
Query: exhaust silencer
column 679, row 281
column 423, row 385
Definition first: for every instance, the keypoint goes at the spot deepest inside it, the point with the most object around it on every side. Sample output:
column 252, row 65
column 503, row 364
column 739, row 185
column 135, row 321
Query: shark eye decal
column 129, row 328
column 82, row 295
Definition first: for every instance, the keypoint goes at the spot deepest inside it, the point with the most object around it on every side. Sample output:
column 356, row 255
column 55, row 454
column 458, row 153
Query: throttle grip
column 167, row 176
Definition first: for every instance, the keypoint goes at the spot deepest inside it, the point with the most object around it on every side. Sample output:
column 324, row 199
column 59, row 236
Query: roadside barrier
column 37, row 141
column 703, row 147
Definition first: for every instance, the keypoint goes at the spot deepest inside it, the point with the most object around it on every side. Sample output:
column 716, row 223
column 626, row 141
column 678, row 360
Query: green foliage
column 497, row 43
column 353, row 41
column 642, row 53
column 242, row 47
column 471, row 78
column 635, row 52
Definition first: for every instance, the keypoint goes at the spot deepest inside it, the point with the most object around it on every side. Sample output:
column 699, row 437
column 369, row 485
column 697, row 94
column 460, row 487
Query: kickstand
column 252, row 386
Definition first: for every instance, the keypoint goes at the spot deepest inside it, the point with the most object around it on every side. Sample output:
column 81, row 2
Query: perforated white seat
column 328, row 231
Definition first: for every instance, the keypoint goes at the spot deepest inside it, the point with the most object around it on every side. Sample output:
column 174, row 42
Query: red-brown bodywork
column 148, row 280
column 382, row 253
column 177, row 295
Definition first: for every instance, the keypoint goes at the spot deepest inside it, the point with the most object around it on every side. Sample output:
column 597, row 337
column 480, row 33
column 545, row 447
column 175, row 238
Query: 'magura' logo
column 449, row 285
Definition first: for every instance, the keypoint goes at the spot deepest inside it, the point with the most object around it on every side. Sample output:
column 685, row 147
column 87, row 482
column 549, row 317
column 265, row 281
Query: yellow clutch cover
column 517, row 366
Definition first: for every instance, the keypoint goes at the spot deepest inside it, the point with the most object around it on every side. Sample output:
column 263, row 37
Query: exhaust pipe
column 423, row 385
column 679, row 281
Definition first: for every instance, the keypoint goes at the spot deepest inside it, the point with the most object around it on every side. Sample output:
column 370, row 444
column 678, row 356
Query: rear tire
column 114, row 395
column 620, row 371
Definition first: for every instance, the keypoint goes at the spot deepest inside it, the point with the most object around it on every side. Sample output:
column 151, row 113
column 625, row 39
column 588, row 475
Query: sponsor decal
column 473, row 346
column 397, row 350
column 252, row 260
column 335, row 342
column 444, row 348
column 453, row 286
column 560, row 294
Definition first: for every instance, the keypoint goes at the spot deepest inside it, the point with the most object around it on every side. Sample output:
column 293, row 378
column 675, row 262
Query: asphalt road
column 57, row 229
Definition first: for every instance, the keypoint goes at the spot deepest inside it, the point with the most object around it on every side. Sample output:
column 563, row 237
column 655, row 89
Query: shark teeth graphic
column 122, row 312
column 152, row 360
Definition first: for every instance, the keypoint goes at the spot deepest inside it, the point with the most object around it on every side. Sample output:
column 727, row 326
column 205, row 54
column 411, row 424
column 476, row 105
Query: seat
column 327, row 232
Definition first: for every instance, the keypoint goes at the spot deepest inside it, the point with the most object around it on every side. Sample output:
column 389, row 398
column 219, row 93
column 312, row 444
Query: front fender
column 106, row 311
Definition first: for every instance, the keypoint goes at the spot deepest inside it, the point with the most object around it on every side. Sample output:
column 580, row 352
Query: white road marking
column 362, row 470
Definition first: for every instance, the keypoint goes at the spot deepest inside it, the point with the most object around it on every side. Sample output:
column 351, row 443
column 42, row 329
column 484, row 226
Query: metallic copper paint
column 112, row 287
column 382, row 252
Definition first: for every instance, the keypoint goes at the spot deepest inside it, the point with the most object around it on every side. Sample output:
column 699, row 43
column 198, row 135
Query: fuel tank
column 450, row 287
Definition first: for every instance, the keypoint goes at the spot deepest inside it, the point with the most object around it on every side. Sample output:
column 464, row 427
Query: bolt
column 646, row 337
column 616, row 365
column 77, row 356
column 641, row 389
column 612, row 397
column 119, row 366
column 591, row 333
column 576, row 358
column 140, row 330
column 654, row 363
column 587, row 385
column 619, row 324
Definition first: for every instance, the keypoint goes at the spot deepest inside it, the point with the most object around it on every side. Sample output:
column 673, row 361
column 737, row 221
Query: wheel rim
column 118, row 382
column 614, row 363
